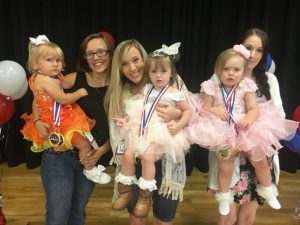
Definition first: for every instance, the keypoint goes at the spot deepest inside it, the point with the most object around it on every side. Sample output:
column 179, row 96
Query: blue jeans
column 66, row 188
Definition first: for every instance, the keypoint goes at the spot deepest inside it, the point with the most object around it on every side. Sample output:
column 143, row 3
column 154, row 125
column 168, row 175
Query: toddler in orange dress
column 68, row 125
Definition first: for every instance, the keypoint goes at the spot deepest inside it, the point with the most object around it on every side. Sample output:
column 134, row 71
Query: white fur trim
column 267, row 192
column 224, row 196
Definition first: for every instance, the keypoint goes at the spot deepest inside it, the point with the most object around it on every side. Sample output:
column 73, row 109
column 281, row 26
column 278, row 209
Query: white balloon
column 21, row 92
column 12, row 77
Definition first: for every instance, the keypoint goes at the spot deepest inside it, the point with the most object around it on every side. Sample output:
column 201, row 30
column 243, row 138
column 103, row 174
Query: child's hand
column 120, row 122
column 82, row 92
column 244, row 123
column 42, row 128
column 221, row 113
column 173, row 127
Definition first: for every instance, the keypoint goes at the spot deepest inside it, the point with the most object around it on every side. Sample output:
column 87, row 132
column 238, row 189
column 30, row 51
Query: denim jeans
column 66, row 188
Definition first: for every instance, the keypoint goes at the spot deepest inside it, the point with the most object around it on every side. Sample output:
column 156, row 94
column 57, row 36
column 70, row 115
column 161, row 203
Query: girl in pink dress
column 230, row 121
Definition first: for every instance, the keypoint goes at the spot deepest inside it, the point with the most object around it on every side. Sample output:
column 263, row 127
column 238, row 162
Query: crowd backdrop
column 204, row 27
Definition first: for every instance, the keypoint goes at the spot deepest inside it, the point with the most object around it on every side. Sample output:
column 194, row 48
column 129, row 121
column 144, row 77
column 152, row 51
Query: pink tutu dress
column 156, row 131
column 260, row 140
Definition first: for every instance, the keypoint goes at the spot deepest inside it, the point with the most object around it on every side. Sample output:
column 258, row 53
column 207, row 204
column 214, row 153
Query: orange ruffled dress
column 72, row 119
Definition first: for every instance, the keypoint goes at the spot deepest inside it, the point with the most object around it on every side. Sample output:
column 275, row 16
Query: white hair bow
column 171, row 50
column 41, row 39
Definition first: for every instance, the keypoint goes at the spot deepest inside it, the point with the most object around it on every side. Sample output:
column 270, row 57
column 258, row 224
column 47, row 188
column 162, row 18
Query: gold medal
column 227, row 153
column 56, row 139
column 224, row 154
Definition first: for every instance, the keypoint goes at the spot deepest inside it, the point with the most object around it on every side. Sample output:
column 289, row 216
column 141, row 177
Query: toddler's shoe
column 269, row 194
column 224, row 199
column 97, row 175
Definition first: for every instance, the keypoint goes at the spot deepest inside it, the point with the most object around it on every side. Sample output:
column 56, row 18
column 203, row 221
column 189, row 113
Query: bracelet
column 36, row 121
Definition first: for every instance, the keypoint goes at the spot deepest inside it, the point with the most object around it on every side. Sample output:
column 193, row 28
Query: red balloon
column 296, row 114
column 7, row 109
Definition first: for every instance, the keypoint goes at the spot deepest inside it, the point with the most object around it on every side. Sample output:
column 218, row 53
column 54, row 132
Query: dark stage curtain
column 204, row 27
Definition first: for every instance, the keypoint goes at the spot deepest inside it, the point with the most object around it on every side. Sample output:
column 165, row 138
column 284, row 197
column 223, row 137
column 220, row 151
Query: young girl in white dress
column 146, row 135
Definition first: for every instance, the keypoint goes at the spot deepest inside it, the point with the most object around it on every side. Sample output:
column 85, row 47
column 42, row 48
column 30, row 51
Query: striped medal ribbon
column 145, row 118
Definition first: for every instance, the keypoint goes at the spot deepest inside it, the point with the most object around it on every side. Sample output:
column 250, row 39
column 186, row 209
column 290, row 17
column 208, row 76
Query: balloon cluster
column 294, row 143
column 13, row 86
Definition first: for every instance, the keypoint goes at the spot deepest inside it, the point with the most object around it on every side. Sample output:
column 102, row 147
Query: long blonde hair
column 119, row 84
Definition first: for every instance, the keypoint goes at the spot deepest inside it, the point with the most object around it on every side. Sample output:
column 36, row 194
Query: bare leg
column 128, row 163
column 247, row 213
column 224, row 197
column 148, row 163
column 265, row 188
column 262, row 171
column 137, row 221
column 225, row 171
column 84, row 147
column 231, row 218
column 93, row 173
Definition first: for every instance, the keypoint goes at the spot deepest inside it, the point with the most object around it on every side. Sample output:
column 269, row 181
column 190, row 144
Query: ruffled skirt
column 155, row 132
column 74, row 120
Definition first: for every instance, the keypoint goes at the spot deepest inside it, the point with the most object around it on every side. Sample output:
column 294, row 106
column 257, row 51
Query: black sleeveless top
column 92, row 105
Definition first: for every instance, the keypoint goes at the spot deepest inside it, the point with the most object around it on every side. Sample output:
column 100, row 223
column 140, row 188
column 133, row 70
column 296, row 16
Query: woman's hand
column 168, row 112
column 92, row 157
column 42, row 128
column 173, row 127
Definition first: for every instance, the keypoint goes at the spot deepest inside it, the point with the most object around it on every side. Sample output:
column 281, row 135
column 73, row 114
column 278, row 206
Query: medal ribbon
column 229, row 98
column 57, row 106
column 145, row 118
column 56, row 112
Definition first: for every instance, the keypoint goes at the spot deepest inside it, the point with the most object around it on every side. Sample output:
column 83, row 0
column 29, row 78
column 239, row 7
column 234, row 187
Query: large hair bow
column 171, row 50
column 41, row 39
column 242, row 50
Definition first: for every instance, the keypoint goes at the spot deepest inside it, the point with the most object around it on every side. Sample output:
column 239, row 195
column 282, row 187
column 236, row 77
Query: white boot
column 269, row 194
column 97, row 175
column 224, row 199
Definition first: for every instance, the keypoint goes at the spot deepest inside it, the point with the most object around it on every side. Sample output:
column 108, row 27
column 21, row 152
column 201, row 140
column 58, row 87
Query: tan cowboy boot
column 124, row 198
column 143, row 204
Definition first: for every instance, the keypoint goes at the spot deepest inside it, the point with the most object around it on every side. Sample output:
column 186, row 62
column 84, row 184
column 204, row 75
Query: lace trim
column 147, row 184
column 127, row 180
column 174, row 177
